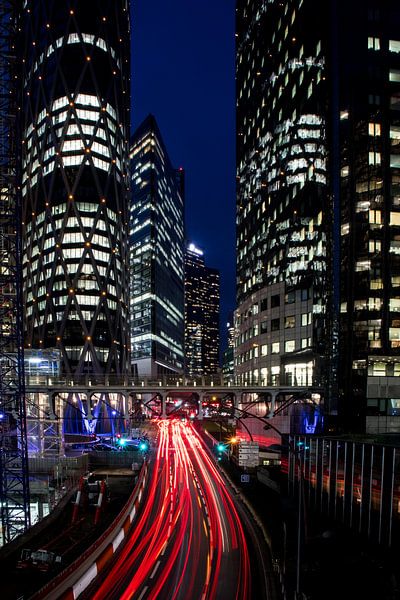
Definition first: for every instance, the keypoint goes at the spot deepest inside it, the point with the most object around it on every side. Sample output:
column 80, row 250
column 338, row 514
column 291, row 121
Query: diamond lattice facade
column 76, row 101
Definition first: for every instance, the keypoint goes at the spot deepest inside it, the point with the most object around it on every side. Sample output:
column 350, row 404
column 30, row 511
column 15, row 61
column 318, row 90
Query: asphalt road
column 188, row 542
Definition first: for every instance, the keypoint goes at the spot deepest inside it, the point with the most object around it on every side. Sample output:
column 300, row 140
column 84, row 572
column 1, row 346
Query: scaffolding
column 14, row 479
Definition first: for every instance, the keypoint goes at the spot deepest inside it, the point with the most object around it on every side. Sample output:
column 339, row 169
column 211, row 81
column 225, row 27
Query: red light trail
column 188, row 542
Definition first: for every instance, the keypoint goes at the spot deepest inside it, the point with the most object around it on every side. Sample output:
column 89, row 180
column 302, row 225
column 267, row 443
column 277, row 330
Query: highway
column 188, row 542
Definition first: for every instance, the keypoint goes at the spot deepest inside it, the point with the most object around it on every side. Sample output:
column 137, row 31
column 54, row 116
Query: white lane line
column 164, row 549
column 155, row 569
column 143, row 592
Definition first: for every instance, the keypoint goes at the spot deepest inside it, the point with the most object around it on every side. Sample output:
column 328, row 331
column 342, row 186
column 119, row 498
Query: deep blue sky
column 183, row 72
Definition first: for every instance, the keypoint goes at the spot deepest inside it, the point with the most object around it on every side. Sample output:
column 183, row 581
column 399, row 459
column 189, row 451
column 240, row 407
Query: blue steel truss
column 14, row 479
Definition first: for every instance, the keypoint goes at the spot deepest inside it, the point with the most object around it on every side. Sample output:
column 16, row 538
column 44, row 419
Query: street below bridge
column 192, row 539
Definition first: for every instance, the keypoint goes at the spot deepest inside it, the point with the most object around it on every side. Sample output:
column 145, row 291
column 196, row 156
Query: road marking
column 155, row 569
column 143, row 592
column 164, row 548
column 205, row 527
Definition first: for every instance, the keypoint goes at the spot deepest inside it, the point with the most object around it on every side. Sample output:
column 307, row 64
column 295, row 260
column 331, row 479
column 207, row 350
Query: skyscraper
column 202, row 295
column 281, row 193
column 368, row 180
column 76, row 101
column 156, row 256
column 317, row 209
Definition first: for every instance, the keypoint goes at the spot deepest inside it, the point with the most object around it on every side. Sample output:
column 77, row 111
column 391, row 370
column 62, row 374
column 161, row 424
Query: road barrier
column 71, row 582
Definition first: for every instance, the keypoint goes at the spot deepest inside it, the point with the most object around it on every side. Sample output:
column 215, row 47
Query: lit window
column 375, row 217
column 395, row 218
column 275, row 348
column 374, row 129
column 363, row 265
column 394, row 46
column 290, row 346
column 374, row 158
column 290, row 322
column 394, row 304
column 344, row 171
column 374, row 43
column 374, row 246
column 394, row 75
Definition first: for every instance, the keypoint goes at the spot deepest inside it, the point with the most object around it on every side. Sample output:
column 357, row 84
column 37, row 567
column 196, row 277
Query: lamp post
column 298, row 455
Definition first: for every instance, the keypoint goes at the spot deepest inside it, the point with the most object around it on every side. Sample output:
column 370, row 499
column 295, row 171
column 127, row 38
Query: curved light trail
column 188, row 542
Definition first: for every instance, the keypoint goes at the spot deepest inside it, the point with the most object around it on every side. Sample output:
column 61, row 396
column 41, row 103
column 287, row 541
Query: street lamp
column 298, row 454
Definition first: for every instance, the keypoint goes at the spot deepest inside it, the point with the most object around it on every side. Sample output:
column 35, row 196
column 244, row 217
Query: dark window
column 275, row 324
column 264, row 304
column 264, row 327
column 305, row 294
column 275, row 301
column 290, row 297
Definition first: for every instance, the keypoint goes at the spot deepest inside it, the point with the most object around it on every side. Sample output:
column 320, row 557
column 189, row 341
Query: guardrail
column 72, row 581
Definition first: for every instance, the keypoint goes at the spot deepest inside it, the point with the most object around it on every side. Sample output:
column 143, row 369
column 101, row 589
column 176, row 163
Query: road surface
column 188, row 542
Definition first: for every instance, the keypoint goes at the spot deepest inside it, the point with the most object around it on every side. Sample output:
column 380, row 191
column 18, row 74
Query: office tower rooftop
column 75, row 178
column 202, row 300
column 156, row 255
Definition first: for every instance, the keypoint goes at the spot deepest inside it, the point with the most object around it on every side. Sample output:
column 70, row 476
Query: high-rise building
column 281, row 193
column 202, row 299
column 367, row 177
column 76, row 98
column 156, row 256
column 318, row 201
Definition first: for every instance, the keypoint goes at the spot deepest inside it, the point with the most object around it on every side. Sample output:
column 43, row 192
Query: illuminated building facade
column 156, row 256
column 281, row 192
column 318, row 203
column 368, row 128
column 76, row 99
column 202, row 301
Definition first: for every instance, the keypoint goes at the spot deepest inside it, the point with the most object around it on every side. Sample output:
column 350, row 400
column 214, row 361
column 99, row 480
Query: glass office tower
column 281, row 193
column 76, row 99
column 368, row 171
column 156, row 256
column 318, row 209
column 202, row 301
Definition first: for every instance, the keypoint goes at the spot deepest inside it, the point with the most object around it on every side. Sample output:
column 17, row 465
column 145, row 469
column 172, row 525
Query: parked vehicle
column 39, row 560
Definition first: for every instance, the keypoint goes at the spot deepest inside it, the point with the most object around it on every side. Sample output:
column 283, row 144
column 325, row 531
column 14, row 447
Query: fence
column 353, row 482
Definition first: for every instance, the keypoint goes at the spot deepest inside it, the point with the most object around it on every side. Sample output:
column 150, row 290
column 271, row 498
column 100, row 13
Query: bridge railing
column 216, row 380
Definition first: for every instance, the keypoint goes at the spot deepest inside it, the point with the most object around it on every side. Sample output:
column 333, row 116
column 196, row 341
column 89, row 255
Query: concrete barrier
column 71, row 582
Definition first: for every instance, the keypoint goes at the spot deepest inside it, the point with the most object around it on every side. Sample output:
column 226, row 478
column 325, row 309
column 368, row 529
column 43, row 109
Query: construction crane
column 14, row 479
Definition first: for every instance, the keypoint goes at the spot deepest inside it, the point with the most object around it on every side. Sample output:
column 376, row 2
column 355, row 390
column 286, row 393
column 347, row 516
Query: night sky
column 183, row 72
